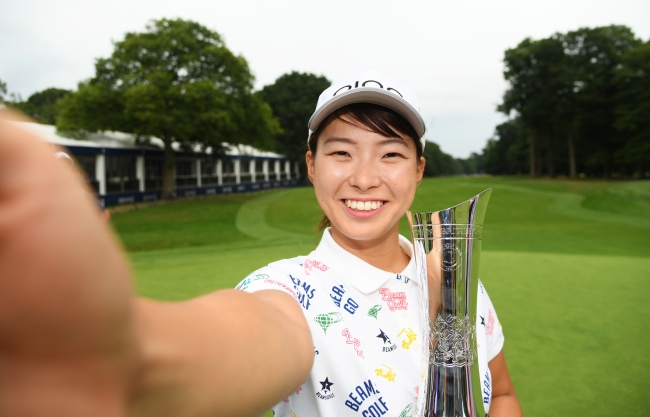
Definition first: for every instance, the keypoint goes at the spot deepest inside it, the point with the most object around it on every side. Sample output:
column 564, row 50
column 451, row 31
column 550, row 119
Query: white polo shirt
column 366, row 326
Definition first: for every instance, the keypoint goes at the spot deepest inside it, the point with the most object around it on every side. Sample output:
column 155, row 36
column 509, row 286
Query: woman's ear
column 420, row 172
column 309, row 159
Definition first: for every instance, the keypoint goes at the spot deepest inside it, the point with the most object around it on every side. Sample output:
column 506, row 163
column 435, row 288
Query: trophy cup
column 447, row 244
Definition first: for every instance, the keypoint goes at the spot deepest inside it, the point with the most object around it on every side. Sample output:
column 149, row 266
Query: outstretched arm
column 228, row 353
column 74, row 341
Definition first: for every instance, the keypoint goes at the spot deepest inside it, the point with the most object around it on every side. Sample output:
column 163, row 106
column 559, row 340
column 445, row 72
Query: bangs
column 373, row 118
column 376, row 119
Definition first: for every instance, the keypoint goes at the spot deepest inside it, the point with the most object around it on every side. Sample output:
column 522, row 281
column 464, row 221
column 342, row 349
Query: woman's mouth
column 364, row 205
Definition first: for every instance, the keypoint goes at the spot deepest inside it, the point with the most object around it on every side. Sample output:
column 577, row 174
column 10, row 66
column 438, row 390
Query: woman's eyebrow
column 396, row 140
column 337, row 139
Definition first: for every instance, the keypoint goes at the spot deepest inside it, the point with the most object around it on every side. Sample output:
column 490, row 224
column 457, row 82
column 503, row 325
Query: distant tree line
column 439, row 163
column 579, row 104
column 292, row 98
column 42, row 106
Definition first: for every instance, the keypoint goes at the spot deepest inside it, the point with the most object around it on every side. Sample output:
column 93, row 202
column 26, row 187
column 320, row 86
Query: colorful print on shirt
column 365, row 325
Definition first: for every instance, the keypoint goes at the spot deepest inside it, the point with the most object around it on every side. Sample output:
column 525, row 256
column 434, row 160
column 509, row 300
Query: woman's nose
column 364, row 176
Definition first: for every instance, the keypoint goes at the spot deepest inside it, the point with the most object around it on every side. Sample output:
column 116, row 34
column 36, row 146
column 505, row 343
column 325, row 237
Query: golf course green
column 566, row 263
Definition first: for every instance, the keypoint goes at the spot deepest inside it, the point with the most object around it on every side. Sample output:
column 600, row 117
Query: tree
column 593, row 55
column 563, row 88
column 42, row 106
column 472, row 165
column 533, row 70
column 293, row 98
column 505, row 153
column 179, row 82
column 439, row 163
column 632, row 110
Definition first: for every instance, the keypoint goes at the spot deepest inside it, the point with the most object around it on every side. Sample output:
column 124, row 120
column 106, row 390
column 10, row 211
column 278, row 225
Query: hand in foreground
column 67, row 339
column 74, row 341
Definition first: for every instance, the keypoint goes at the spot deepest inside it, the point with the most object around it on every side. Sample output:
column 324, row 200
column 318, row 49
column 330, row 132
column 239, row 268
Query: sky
column 449, row 53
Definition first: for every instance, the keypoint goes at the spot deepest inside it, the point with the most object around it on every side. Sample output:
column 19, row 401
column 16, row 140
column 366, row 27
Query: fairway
column 567, row 264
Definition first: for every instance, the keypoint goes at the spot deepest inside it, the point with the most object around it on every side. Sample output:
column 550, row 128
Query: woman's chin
column 364, row 233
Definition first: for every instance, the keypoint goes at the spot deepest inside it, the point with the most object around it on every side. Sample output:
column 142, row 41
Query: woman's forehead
column 347, row 131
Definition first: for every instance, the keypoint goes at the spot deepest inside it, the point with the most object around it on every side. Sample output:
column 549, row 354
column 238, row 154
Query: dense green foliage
column 506, row 152
column 633, row 106
column 42, row 106
column 176, row 81
column 293, row 98
column 580, row 103
column 565, row 262
column 439, row 163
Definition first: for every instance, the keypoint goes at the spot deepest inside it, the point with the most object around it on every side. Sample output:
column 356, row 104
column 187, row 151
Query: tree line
column 579, row 105
column 178, row 81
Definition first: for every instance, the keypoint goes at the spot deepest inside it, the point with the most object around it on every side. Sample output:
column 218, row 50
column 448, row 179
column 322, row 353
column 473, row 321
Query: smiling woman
column 359, row 290
column 365, row 173
column 391, row 128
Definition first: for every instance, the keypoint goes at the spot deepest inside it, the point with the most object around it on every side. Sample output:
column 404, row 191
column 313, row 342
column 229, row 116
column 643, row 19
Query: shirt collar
column 357, row 272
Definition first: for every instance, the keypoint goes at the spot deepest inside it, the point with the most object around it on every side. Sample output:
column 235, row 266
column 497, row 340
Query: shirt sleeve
column 269, row 277
column 493, row 329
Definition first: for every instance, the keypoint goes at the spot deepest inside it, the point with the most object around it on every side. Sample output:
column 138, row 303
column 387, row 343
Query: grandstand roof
column 127, row 141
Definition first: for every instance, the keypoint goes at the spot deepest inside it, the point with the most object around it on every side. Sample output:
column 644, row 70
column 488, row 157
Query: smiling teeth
column 363, row 205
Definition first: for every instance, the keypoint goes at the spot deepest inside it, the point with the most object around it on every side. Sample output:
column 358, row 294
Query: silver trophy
column 447, row 244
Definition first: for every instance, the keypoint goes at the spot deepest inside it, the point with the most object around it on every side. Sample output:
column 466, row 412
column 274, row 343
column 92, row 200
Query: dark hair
column 372, row 117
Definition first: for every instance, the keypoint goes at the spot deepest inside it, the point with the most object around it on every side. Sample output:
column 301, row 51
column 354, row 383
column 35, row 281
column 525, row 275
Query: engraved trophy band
column 456, row 381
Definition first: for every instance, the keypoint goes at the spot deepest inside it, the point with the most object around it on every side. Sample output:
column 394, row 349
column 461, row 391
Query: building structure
column 123, row 171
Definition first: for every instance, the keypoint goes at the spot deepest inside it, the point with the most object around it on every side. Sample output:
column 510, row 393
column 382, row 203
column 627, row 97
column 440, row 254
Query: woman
column 358, row 290
column 74, row 341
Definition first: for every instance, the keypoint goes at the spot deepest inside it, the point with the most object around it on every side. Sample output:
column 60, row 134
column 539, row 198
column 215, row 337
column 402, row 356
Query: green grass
column 576, row 330
column 625, row 198
column 185, row 223
column 179, row 274
column 548, row 216
column 567, row 264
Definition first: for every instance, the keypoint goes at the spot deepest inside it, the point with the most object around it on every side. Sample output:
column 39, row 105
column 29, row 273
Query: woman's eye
column 340, row 153
column 392, row 155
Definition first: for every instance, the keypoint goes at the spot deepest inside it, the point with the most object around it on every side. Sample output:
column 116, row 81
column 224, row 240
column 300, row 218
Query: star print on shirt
column 383, row 336
column 326, row 385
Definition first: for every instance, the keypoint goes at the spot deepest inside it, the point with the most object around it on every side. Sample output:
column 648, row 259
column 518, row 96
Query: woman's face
column 364, row 182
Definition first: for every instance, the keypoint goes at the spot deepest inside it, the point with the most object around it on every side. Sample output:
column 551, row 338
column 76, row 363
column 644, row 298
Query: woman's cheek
column 397, row 176
column 337, row 171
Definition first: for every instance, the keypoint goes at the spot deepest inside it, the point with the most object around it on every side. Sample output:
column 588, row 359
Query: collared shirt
column 366, row 326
